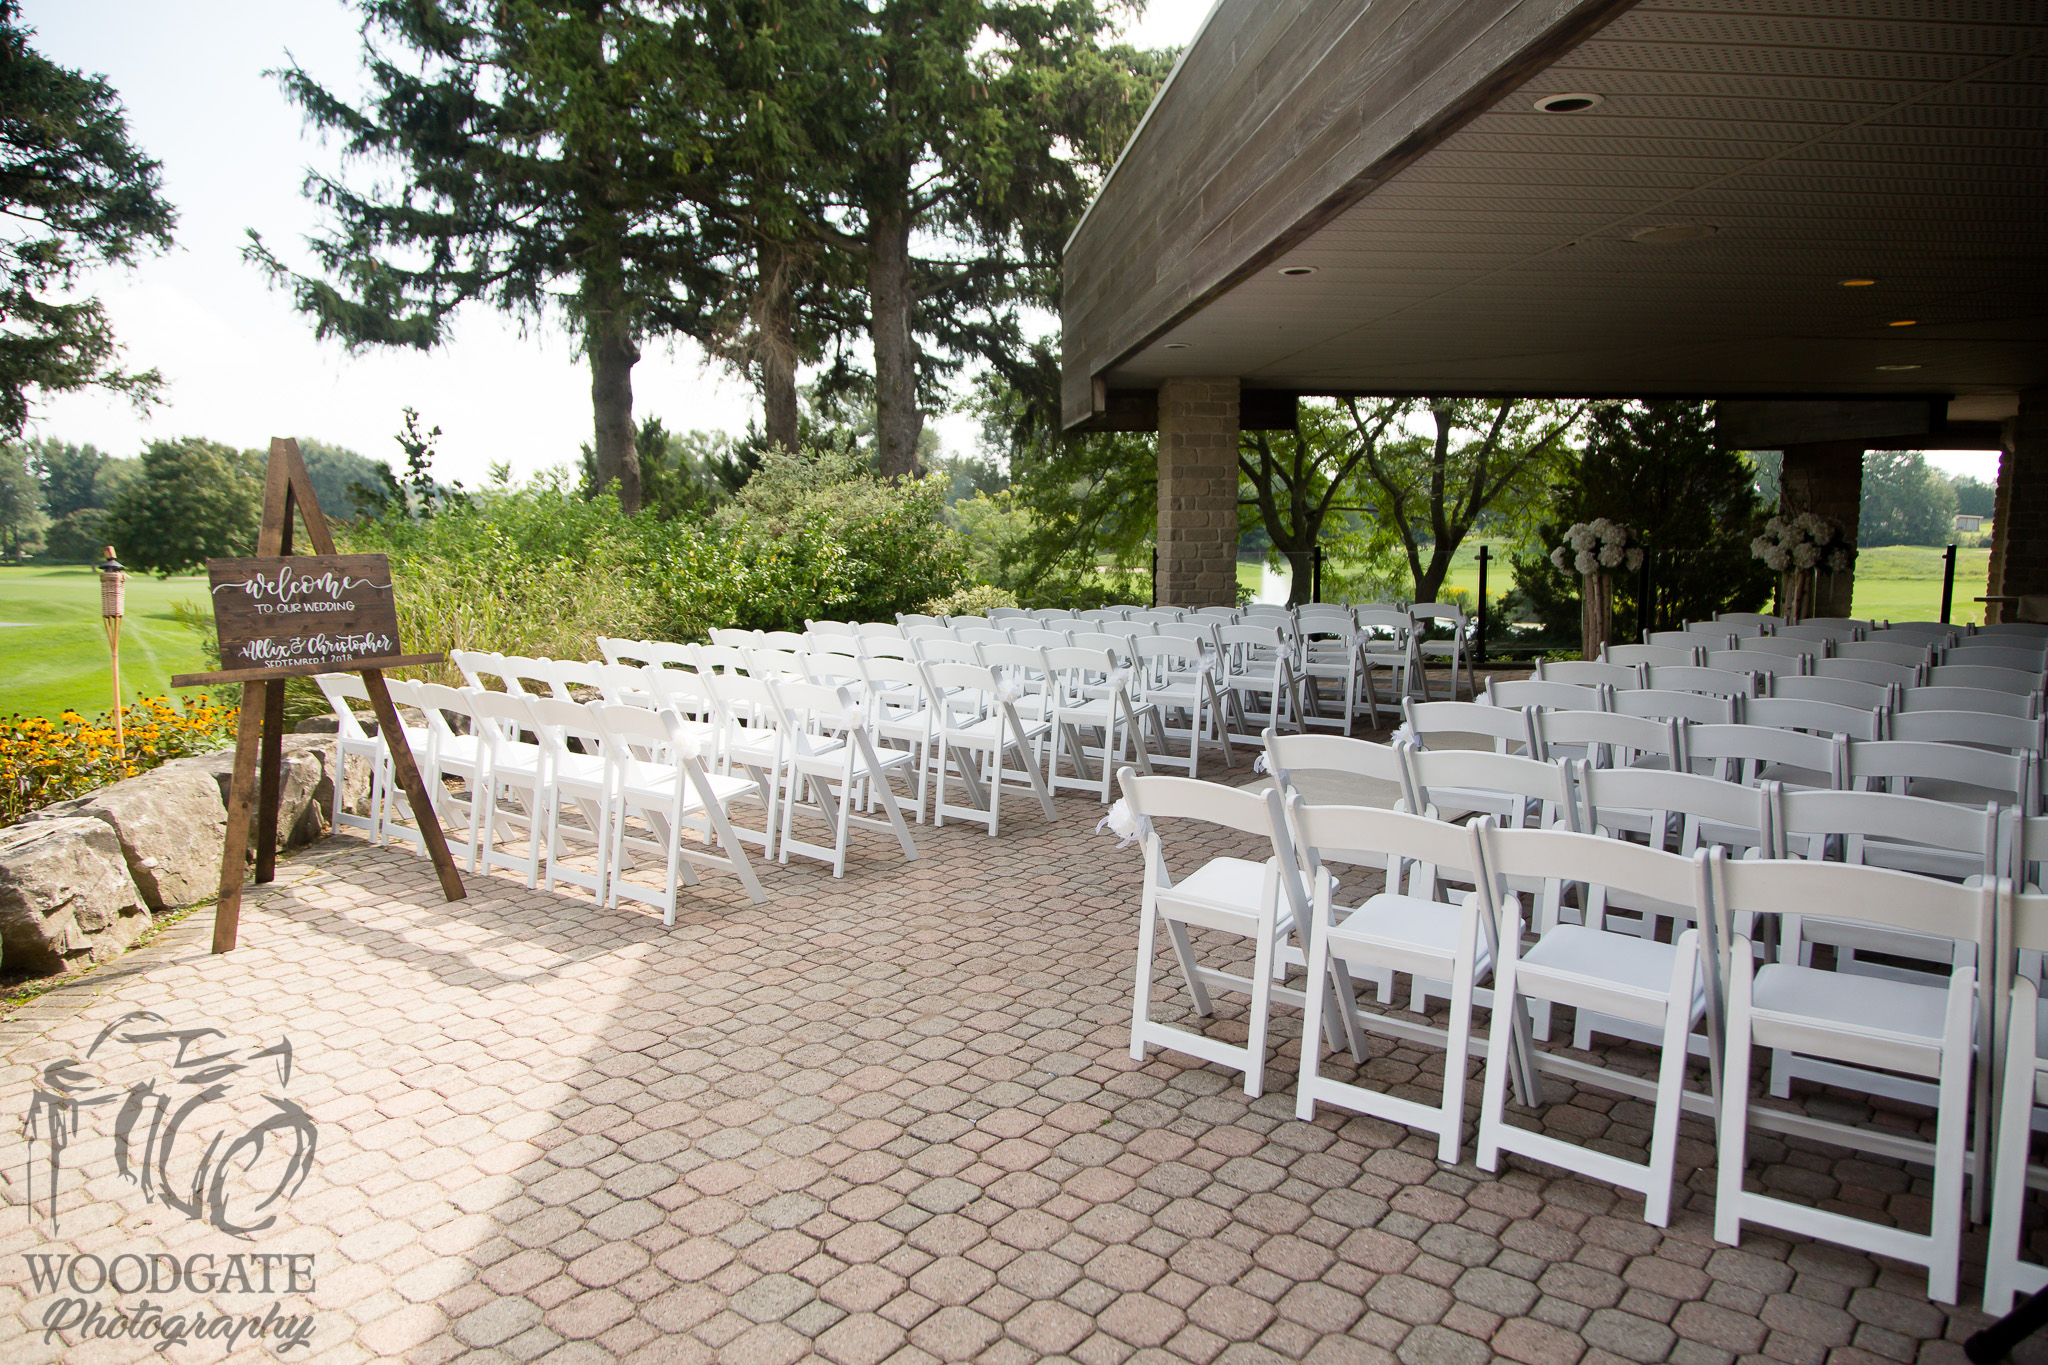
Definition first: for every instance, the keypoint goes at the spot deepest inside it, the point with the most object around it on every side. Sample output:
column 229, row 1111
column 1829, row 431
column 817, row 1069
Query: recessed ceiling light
column 1898, row 367
column 1664, row 234
column 1174, row 346
column 1297, row 271
column 1856, row 283
column 1904, row 322
column 1577, row 102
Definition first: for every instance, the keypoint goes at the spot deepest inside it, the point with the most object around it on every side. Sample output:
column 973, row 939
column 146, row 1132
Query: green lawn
column 56, row 649
column 1895, row 583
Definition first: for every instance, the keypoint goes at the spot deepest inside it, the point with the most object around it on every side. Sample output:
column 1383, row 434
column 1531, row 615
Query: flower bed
column 44, row 761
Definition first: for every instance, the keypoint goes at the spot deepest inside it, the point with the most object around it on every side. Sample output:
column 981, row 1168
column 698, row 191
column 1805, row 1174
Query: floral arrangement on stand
column 1799, row 548
column 1594, row 549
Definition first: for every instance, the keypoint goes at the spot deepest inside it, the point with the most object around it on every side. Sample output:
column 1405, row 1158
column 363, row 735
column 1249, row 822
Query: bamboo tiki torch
column 113, row 588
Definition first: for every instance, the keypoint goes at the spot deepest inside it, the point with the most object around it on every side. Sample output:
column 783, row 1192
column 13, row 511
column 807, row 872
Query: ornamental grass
column 44, row 761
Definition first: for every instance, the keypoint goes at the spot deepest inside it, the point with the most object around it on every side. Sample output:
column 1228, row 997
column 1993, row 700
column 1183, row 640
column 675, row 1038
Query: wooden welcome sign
column 280, row 615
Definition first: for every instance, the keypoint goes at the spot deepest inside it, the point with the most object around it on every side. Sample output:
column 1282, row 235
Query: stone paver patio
column 890, row 1117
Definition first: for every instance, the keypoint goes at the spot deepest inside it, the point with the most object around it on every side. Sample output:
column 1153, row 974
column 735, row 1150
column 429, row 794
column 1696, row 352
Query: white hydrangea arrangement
column 1597, row 546
column 1805, row 541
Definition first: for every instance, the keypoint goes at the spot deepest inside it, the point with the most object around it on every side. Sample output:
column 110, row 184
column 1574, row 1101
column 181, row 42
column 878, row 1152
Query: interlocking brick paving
column 886, row 1118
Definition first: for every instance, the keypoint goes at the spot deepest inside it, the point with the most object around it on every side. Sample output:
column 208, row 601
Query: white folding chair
column 879, row 630
column 899, row 714
column 1386, row 639
column 456, row 753
column 475, row 665
column 832, row 763
column 753, row 743
column 1425, row 929
column 1814, row 717
column 2022, row 1029
column 1664, row 987
column 1896, row 652
column 518, row 772
column 1607, row 739
column 1456, row 649
column 1972, row 654
column 1875, row 671
column 352, row 740
column 979, row 727
column 1918, row 1030
column 1763, row 663
column 657, row 773
column 1258, row 663
column 1176, row 674
column 1225, row 895
column 1092, row 696
column 572, row 744
column 1442, row 724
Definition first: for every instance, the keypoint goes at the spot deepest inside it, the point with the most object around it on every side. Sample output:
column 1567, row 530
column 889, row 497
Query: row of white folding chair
column 1670, row 988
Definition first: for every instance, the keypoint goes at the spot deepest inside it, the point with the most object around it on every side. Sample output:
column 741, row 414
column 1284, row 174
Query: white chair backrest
column 791, row 640
column 340, row 690
column 1692, row 637
column 1510, row 728
column 947, row 651
column 1916, row 635
column 1867, row 895
column 559, row 722
column 887, row 647
column 1995, row 655
column 1363, row 836
column 900, row 681
column 514, row 710
column 2017, row 681
column 1698, row 708
column 1818, row 633
column 907, row 619
column 475, row 665
column 1447, row 779
column 968, row 622
column 1041, row 638
column 880, row 630
column 625, row 685
column 529, row 675
column 1611, row 740
column 2021, row 629
column 1709, row 810
column 1819, row 717
column 721, row 659
column 1388, row 621
column 1748, row 618
column 981, row 635
column 1862, row 696
column 1011, row 614
column 2005, row 777
column 932, row 631
column 1702, row 680
column 1583, row 674
column 1970, row 699
column 1755, row 661
column 1655, row 656
column 1119, row 645
column 1914, row 656
column 570, row 674
column 1630, row 872
column 1809, row 818
column 1984, row 729
column 1783, row 644
column 1561, row 696
column 762, row 663
column 734, row 639
column 1877, row 671
column 1739, row 753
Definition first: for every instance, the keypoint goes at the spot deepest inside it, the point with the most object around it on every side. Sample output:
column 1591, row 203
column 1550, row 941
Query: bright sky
column 241, row 364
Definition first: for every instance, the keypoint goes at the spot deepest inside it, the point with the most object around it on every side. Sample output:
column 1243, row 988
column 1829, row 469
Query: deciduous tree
column 195, row 500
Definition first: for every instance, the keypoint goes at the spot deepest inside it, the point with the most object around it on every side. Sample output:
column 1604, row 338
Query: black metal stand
column 1948, row 582
column 1995, row 1342
column 1479, row 630
column 1316, row 576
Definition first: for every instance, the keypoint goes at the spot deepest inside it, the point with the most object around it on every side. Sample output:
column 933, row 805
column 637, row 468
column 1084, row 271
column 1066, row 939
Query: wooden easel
column 257, row 775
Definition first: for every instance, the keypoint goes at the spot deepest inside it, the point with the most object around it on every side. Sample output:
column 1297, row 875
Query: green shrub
column 976, row 600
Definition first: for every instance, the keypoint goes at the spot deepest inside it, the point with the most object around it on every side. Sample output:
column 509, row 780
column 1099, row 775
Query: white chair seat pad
column 1413, row 920
column 1235, row 882
column 1896, row 1007
column 1620, row 958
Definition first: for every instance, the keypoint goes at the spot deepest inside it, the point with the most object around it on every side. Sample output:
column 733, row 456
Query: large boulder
column 300, row 817
column 170, row 823
column 66, row 898
column 354, row 776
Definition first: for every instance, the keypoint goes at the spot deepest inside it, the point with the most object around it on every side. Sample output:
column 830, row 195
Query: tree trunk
column 898, row 423
column 609, row 341
column 775, row 345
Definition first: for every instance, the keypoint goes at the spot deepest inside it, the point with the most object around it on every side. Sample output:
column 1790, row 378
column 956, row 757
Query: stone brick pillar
column 2019, row 533
column 1827, row 478
column 1198, row 492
